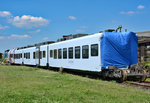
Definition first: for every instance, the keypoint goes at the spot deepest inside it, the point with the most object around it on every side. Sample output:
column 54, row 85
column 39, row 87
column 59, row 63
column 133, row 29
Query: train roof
column 62, row 40
column 74, row 37
column 38, row 44
column 81, row 38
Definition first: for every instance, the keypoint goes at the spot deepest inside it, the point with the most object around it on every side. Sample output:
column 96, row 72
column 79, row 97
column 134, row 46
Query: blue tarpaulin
column 119, row 49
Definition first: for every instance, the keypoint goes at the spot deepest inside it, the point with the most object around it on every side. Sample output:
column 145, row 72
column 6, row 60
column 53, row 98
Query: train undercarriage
column 133, row 73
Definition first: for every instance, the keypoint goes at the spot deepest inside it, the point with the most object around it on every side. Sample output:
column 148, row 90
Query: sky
column 27, row 22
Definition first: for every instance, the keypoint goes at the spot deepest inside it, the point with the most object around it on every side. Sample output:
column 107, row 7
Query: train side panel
column 29, row 58
column 18, row 56
column 81, row 48
column 44, row 57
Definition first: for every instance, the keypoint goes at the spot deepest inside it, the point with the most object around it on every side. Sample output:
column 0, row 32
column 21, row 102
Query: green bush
column 146, row 63
column 3, row 60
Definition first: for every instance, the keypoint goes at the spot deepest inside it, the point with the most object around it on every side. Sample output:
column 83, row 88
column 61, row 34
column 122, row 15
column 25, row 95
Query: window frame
column 64, row 53
column 44, row 54
column 70, row 56
column 59, row 53
column 33, row 55
column 84, row 56
column 55, row 53
column 77, row 56
column 51, row 53
column 92, row 53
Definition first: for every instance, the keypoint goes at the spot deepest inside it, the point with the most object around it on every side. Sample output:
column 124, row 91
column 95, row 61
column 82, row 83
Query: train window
column 51, row 53
column 24, row 55
column 44, row 54
column 71, row 53
column 20, row 55
column 94, row 50
column 36, row 54
column 64, row 53
column 85, row 51
column 59, row 53
column 27, row 55
column 77, row 52
column 33, row 55
column 55, row 54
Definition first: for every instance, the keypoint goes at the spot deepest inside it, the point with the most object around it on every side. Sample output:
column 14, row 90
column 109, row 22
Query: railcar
column 113, row 54
column 28, row 56
column 81, row 53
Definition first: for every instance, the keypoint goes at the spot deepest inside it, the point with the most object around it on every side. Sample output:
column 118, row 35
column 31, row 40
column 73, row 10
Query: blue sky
column 25, row 22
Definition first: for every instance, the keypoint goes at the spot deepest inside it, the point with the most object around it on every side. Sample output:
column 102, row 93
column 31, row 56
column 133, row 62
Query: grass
column 148, row 79
column 1, row 59
column 20, row 84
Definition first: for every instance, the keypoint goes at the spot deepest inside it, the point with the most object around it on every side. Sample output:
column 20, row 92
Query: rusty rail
column 143, row 85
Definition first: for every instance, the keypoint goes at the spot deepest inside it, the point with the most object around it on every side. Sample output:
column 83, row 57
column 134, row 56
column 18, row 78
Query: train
column 113, row 55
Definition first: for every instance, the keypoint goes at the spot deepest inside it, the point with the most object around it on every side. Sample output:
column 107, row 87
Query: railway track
column 143, row 85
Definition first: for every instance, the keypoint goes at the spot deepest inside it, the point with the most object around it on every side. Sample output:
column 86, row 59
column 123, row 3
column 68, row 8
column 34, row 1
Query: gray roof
column 143, row 33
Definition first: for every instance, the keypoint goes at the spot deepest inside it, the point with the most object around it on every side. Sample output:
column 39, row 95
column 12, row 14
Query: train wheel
column 123, row 77
column 143, row 78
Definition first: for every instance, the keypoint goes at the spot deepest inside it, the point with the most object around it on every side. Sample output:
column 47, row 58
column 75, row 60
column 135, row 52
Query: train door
column 37, row 56
column 48, row 56
column 44, row 55
column 22, row 56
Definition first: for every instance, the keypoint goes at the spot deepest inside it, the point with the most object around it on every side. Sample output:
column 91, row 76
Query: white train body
column 41, row 55
column 77, row 61
column 28, row 58
column 112, row 53
column 83, row 53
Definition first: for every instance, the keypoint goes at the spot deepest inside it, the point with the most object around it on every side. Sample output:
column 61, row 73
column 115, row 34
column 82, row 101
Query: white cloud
column 5, row 13
column 1, row 37
column 28, row 21
column 36, row 31
column 129, row 12
column 18, row 36
column 80, row 31
column 72, row 18
column 45, row 38
column 140, row 7
column 3, row 27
